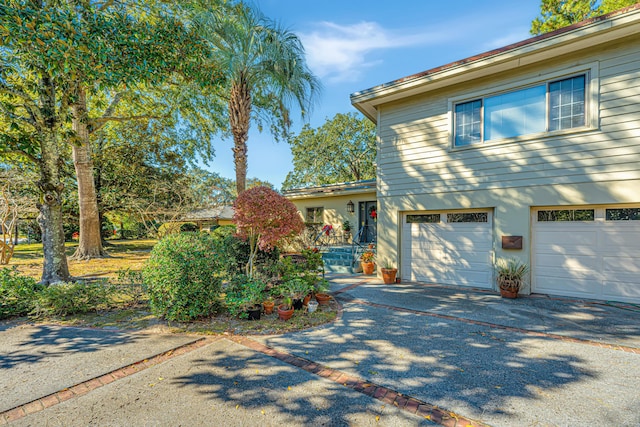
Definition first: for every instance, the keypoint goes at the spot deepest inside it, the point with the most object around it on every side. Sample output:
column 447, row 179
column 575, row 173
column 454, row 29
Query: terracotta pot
column 389, row 275
column 508, row 293
column 368, row 268
column 323, row 299
column 371, row 245
column 268, row 306
column 306, row 299
column 285, row 312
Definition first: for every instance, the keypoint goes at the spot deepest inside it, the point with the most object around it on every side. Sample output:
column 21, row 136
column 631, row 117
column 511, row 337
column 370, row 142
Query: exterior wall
column 335, row 207
column 419, row 170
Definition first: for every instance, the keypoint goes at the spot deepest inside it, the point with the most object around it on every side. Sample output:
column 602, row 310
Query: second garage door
column 452, row 248
column 587, row 252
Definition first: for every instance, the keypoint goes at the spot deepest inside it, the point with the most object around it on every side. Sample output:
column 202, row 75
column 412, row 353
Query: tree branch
column 99, row 123
column 22, row 153
column 16, row 117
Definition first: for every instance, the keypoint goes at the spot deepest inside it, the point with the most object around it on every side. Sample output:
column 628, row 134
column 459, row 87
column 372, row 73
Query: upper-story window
column 551, row 106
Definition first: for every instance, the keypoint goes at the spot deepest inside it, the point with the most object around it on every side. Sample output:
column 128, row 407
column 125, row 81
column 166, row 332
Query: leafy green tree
column 342, row 149
column 555, row 14
column 264, row 68
column 54, row 53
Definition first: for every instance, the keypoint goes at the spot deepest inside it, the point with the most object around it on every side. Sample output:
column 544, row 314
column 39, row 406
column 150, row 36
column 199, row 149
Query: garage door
column 452, row 248
column 587, row 252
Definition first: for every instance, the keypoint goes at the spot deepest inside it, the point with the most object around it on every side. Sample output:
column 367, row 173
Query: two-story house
column 529, row 151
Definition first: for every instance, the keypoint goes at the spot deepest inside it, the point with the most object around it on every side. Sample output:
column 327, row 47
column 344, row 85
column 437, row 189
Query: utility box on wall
column 511, row 242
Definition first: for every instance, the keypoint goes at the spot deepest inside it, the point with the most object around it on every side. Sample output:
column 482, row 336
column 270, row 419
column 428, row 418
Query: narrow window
column 468, row 123
column 566, row 215
column 566, row 103
column 468, row 217
column 423, row 219
column 625, row 214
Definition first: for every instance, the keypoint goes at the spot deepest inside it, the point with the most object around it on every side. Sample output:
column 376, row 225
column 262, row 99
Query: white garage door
column 452, row 248
column 587, row 252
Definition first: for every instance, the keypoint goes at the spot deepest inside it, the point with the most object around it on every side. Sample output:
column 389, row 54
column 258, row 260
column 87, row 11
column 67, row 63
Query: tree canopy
column 342, row 149
column 555, row 14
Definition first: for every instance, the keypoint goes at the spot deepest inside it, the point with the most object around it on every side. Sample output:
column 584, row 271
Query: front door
column 368, row 220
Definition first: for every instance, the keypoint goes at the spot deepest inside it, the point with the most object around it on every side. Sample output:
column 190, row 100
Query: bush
column 235, row 252
column 17, row 293
column 64, row 299
column 182, row 277
column 242, row 293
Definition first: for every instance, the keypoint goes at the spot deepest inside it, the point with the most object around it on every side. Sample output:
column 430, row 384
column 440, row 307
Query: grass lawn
column 132, row 254
column 124, row 254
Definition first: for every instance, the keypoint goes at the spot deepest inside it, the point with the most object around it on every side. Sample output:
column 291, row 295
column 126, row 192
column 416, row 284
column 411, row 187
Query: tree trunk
column 239, row 120
column 90, row 244
column 55, row 268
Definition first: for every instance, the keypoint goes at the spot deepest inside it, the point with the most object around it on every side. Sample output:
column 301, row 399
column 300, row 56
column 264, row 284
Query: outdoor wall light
column 350, row 207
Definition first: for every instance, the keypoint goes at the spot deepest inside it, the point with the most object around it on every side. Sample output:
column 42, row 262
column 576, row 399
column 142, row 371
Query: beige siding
column 415, row 155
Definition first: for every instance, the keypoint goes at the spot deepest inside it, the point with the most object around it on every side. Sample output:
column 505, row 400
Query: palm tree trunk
column 90, row 244
column 239, row 119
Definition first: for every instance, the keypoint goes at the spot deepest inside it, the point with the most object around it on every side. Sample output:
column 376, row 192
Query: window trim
column 590, row 71
column 306, row 214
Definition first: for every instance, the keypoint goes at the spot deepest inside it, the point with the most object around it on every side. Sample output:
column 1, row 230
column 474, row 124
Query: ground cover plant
column 116, row 297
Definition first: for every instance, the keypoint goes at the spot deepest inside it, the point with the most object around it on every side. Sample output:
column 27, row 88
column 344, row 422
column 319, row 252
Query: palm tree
column 264, row 70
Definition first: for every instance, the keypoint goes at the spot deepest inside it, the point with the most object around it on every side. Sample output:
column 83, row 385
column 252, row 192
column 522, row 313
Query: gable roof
column 590, row 32
column 211, row 214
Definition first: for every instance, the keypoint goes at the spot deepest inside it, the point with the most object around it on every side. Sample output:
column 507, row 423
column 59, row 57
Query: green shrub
column 17, row 293
column 65, row 299
column 235, row 252
column 242, row 293
column 182, row 276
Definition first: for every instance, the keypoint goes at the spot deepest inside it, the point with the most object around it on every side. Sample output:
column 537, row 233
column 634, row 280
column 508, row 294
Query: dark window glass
column 314, row 215
column 624, row 214
column 468, row 123
column 566, row 215
column 566, row 103
column 422, row 219
column 468, row 217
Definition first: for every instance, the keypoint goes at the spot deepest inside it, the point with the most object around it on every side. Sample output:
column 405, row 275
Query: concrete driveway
column 405, row 354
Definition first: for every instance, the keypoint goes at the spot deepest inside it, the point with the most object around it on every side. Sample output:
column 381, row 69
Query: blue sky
column 353, row 45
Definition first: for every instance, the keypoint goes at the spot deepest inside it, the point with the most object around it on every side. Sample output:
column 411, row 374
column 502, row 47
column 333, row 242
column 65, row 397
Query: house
column 336, row 203
column 529, row 151
column 210, row 217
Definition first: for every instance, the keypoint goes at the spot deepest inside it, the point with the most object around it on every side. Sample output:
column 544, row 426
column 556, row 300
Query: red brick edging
column 376, row 391
column 85, row 387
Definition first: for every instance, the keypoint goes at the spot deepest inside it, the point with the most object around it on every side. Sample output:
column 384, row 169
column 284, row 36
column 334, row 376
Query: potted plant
column 366, row 259
column 243, row 297
column 321, row 288
column 296, row 289
column 389, row 273
column 268, row 305
column 346, row 227
column 285, row 310
column 510, row 276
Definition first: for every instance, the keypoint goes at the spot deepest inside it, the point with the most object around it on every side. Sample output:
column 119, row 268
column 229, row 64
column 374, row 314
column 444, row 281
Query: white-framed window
column 314, row 215
column 549, row 106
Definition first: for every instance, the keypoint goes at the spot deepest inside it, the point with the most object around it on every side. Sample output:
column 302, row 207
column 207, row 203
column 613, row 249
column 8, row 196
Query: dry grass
column 124, row 254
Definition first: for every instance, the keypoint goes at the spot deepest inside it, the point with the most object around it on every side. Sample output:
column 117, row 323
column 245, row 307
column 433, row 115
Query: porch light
column 350, row 207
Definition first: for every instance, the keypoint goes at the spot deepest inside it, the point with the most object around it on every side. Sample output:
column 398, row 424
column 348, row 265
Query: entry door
column 368, row 214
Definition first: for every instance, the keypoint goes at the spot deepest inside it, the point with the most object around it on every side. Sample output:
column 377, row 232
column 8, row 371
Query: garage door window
column 423, row 219
column 628, row 214
column 566, row 215
column 468, row 217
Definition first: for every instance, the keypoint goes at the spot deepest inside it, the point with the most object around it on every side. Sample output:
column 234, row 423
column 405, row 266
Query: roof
column 601, row 29
column 339, row 189
column 209, row 214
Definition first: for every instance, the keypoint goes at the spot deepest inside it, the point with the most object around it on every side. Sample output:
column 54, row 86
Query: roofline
column 521, row 48
column 338, row 189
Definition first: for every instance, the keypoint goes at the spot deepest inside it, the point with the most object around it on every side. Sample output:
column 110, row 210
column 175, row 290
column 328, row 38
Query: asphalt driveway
column 406, row 354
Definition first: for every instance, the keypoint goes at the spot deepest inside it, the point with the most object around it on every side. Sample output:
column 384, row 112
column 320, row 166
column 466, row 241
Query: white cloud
column 339, row 52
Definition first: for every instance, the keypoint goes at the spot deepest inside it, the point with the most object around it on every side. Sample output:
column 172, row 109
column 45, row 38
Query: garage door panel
column 622, row 291
column 597, row 259
column 448, row 253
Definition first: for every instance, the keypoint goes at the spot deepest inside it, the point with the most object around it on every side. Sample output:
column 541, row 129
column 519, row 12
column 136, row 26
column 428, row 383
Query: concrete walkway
column 405, row 354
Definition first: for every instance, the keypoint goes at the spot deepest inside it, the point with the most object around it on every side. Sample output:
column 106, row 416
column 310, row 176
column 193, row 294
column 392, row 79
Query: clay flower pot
column 285, row 312
column 389, row 275
column 323, row 299
column 268, row 306
column 368, row 268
